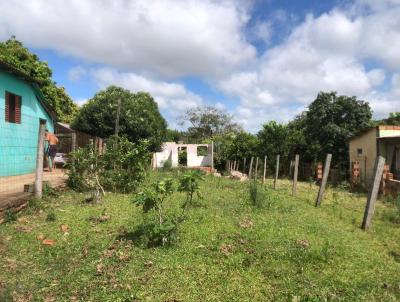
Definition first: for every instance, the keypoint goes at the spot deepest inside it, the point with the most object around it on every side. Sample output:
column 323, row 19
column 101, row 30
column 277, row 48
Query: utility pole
column 117, row 120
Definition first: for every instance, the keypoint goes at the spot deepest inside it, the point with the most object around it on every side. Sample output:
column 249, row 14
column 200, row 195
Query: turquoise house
column 22, row 108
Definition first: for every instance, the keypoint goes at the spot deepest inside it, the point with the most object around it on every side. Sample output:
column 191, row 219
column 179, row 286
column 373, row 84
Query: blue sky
column 260, row 60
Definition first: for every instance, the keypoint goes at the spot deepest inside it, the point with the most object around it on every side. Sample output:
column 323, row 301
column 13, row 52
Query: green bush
column 119, row 169
column 189, row 183
column 51, row 216
column 9, row 216
column 158, row 227
column 256, row 194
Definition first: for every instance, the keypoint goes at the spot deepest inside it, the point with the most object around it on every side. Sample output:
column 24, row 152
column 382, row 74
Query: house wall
column 170, row 151
column 366, row 142
column 18, row 142
column 388, row 130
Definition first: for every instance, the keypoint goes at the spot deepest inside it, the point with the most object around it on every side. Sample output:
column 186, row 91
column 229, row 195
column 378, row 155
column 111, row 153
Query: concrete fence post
column 256, row 169
column 251, row 166
column 39, row 161
column 295, row 174
column 373, row 192
column 276, row 170
column 265, row 168
column 324, row 180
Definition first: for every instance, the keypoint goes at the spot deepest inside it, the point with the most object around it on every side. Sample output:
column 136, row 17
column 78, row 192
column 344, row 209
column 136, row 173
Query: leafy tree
column 139, row 116
column 393, row 119
column 207, row 122
column 233, row 145
column 330, row 121
column 273, row 140
column 13, row 53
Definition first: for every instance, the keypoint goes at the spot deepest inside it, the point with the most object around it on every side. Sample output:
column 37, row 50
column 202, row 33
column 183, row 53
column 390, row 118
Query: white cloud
column 76, row 73
column 170, row 37
column 322, row 53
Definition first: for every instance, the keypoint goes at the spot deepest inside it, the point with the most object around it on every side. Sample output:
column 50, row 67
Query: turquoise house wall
column 18, row 142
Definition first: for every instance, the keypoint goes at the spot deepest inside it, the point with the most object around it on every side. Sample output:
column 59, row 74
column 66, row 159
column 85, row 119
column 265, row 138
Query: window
column 359, row 151
column 13, row 108
column 202, row 151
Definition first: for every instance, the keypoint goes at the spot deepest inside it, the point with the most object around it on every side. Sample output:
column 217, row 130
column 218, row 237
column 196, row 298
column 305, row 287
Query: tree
column 139, row 116
column 330, row 121
column 273, row 140
column 207, row 122
column 13, row 53
column 393, row 119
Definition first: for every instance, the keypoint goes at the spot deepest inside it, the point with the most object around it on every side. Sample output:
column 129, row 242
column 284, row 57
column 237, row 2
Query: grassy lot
column 227, row 250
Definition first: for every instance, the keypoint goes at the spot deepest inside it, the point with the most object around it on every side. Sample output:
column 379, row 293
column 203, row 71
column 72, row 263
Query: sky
column 260, row 60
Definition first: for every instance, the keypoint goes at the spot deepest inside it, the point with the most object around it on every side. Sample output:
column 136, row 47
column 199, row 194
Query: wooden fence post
column 212, row 156
column 39, row 161
column 276, row 170
column 265, row 168
column 324, row 180
column 244, row 165
column 373, row 193
column 295, row 173
column 251, row 166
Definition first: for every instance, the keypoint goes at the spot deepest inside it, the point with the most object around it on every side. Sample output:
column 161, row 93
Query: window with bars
column 13, row 108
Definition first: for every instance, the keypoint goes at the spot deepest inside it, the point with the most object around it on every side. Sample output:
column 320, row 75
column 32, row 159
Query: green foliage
column 162, row 231
column 393, row 119
column 189, row 183
column 256, row 194
column 14, row 53
column 394, row 214
column 51, row 216
column 120, row 168
column 182, row 157
column 139, row 116
column 9, row 216
column 167, row 165
column 328, row 123
column 234, row 145
column 125, row 164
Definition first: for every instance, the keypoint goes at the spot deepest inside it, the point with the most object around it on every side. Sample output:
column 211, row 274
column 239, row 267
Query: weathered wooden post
column 276, row 170
column 265, row 168
column 234, row 165
column 373, row 192
column 39, row 161
column 295, row 173
column 244, row 165
column 251, row 166
column 256, row 169
column 324, row 180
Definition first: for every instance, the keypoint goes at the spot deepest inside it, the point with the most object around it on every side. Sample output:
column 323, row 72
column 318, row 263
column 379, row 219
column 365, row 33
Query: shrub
column 189, row 183
column 51, row 216
column 9, row 216
column 119, row 169
column 161, row 229
column 256, row 193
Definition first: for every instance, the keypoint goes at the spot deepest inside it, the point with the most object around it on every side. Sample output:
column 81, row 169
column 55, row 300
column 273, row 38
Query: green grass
column 228, row 250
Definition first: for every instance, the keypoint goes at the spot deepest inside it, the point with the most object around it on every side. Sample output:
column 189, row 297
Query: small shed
column 381, row 140
column 23, row 109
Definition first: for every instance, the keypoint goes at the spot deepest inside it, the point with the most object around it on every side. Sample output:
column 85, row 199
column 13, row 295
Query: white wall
column 170, row 151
